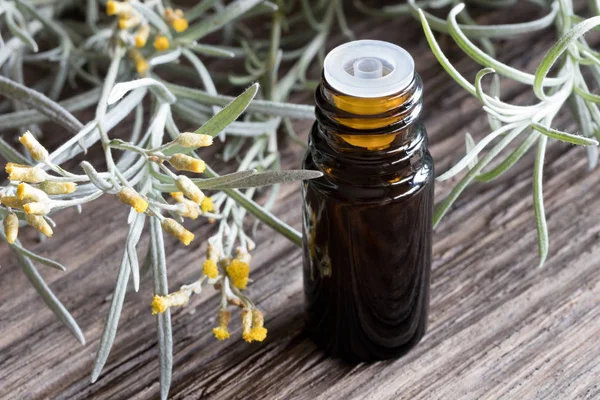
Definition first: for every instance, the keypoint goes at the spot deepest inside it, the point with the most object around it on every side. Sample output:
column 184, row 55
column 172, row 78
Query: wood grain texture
column 499, row 327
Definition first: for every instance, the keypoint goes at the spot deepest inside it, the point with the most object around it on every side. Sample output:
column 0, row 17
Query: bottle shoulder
column 393, row 189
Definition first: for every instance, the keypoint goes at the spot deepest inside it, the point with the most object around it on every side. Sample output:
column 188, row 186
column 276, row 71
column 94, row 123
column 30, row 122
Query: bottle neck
column 368, row 141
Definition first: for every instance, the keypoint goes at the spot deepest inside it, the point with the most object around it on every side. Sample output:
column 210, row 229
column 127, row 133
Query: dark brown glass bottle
column 367, row 224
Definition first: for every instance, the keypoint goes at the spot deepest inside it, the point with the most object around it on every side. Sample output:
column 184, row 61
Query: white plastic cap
column 369, row 68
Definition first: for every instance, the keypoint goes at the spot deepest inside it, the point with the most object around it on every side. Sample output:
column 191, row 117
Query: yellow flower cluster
column 141, row 65
column 253, row 326
column 210, row 269
column 239, row 269
column 176, row 19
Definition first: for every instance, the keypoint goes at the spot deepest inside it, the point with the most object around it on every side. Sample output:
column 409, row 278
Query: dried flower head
column 35, row 148
column 12, row 202
column 177, row 230
column 238, row 272
column 161, row 43
column 29, row 193
column 189, row 189
column 11, row 227
column 37, row 208
column 207, row 205
column 56, row 188
column 194, row 140
column 118, row 8
column 183, row 162
column 39, row 223
column 221, row 332
column 160, row 304
column 141, row 36
column 25, row 173
column 131, row 198
column 130, row 21
column 210, row 269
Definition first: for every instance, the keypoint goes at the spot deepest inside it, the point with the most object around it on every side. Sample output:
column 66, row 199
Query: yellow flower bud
column 35, row 148
column 131, row 198
column 12, row 202
column 189, row 189
column 141, row 66
column 39, row 223
column 37, row 208
column 210, row 269
column 258, row 331
column 207, row 205
column 54, row 188
column 194, row 140
column 246, row 325
column 180, row 24
column 177, row 230
column 25, row 173
column 126, row 22
column 238, row 272
column 221, row 331
column 176, row 19
column 188, row 209
column 161, row 43
column 11, row 227
column 141, row 36
column 118, row 8
column 160, row 304
column 182, row 162
column 29, row 193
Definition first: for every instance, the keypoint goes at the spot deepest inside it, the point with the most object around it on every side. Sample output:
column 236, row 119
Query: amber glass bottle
column 368, row 221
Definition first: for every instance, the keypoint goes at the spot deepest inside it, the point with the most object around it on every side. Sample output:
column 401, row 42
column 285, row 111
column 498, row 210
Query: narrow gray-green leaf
column 229, row 113
column 538, row 201
column 214, row 22
column 209, row 50
column 299, row 111
column 163, row 320
column 470, row 144
column 12, row 155
column 135, row 232
column 260, row 213
column 564, row 136
column 36, row 257
column 112, row 320
column 40, row 102
column 271, row 178
column 49, row 298
column 556, row 51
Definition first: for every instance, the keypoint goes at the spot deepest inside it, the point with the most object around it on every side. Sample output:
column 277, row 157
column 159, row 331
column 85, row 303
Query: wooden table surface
column 499, row 326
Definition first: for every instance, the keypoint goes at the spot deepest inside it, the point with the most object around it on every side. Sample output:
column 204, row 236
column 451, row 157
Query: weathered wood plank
column 499, row 326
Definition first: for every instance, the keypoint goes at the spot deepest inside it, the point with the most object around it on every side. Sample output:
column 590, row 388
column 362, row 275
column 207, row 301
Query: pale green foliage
column 508, row 122
column 97, row 55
